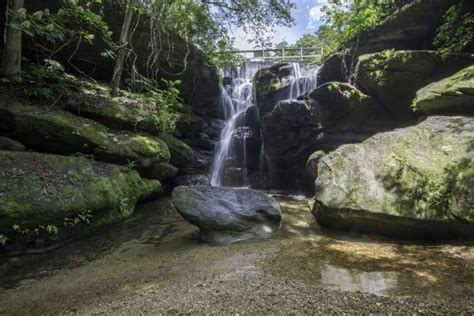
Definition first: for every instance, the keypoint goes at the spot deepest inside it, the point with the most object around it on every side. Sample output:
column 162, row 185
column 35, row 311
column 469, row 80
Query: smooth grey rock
column 227, row 215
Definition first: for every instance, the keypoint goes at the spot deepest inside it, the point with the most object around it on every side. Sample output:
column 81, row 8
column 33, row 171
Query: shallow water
column 156, row 249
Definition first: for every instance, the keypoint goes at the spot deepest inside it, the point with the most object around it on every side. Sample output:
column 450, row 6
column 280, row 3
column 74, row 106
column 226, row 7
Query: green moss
column 181, row 154
column 40, row 190
column 63, row 132
column 264, row 82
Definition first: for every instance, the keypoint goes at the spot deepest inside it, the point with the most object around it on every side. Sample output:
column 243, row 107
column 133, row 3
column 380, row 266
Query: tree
column 205, row 23
column 11, row 68
column 344, row 20
column 122, row 48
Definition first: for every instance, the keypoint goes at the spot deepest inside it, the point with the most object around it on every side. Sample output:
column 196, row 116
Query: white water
column 237, row 98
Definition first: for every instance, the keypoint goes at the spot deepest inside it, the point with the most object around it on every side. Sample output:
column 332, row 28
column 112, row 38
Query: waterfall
column 235, row 99
column 230, row 161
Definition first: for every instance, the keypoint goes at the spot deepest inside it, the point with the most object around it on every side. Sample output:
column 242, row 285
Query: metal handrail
column 260, row 54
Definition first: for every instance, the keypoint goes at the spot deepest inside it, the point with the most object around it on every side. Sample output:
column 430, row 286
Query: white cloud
column 316, row 13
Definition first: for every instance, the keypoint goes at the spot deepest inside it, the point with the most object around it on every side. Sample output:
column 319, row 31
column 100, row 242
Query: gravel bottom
column 153, row 264
column 258, row 294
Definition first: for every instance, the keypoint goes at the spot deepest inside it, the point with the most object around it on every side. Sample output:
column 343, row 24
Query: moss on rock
column 43, row 189
column 394, row 77
column 342, row 107
column 181, row 154
column 65, row 133
column 412, row 182
column 10, row 144
column 454, row 94
column 264, row 82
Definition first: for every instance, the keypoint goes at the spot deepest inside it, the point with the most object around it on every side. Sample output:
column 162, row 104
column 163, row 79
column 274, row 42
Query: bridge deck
column 285, row 54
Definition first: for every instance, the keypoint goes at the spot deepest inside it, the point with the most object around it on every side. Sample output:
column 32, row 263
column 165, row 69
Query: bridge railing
column 301, row 54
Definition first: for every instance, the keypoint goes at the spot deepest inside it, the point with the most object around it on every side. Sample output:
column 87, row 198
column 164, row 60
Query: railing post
column 283, row 54
column 301, row 54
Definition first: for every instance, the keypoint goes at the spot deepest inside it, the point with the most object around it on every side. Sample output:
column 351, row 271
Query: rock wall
column 176, row 60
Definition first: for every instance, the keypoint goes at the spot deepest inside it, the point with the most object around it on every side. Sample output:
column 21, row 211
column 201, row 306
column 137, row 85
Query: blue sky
column 307, row 16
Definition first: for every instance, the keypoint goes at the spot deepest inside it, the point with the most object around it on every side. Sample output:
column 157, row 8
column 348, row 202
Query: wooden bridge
column 301, row 54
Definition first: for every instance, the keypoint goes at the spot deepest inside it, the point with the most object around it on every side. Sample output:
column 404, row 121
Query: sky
column 307, row 16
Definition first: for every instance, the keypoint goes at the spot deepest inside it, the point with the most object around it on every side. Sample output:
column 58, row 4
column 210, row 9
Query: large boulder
column 124, row 112
column 265, row 81
column 333, row 114
column 335, row 68
column 412, row 182
column 37, row 190
column 414, row 27
column 343, row 108
column 64, row 133
column 181, row 154
column 394, row 77
column 454, row 94
column 226, row 215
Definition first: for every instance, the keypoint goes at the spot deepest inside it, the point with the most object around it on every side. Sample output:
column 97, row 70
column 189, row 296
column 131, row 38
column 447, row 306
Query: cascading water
column 303, row 80
column 236, row 98
column 230, row 159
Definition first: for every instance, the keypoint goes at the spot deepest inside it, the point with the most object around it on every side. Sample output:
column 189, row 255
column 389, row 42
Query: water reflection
column 379, row 282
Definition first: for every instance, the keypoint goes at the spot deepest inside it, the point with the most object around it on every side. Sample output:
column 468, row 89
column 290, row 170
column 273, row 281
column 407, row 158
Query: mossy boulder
column 64, row 133
column 341, row 107
column 128, row 113
column 37, row 190
column 334, row 68
column 265, row 81
column 394, row 77
column 416, row 182
column 181, row 154
column 454, row 94
column 10, row 144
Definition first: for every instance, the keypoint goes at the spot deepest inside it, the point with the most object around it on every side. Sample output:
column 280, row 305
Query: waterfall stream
column 236, row 98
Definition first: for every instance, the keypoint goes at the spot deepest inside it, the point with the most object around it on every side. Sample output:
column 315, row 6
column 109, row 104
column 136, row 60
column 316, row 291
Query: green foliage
column 457, row 32
column 344, row 20
column 49, row 229
column 84, row 217
column 52, row 32
column 209, row 24
column 3, row 240
column 47, row 82
column 306, row 41
column 165, row 103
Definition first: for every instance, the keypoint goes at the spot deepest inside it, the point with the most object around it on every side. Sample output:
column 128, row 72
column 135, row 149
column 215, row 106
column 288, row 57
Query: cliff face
column 166, row 56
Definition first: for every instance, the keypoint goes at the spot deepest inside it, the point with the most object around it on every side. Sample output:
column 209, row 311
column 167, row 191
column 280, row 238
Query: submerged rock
column 37, row 190
column 412, row 182
column 454, row 94
column 226, row 215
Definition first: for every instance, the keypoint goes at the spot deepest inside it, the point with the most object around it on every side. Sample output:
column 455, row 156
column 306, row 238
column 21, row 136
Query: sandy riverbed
column 153, row 263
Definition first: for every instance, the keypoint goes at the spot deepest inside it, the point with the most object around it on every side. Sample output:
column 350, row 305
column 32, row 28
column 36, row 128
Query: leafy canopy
column 345, row 19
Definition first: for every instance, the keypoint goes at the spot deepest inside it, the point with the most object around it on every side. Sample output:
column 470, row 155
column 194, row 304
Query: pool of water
column 156, row 249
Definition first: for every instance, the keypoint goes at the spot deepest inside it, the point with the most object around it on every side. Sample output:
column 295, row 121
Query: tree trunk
column 11, row 67
column 122, row 50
